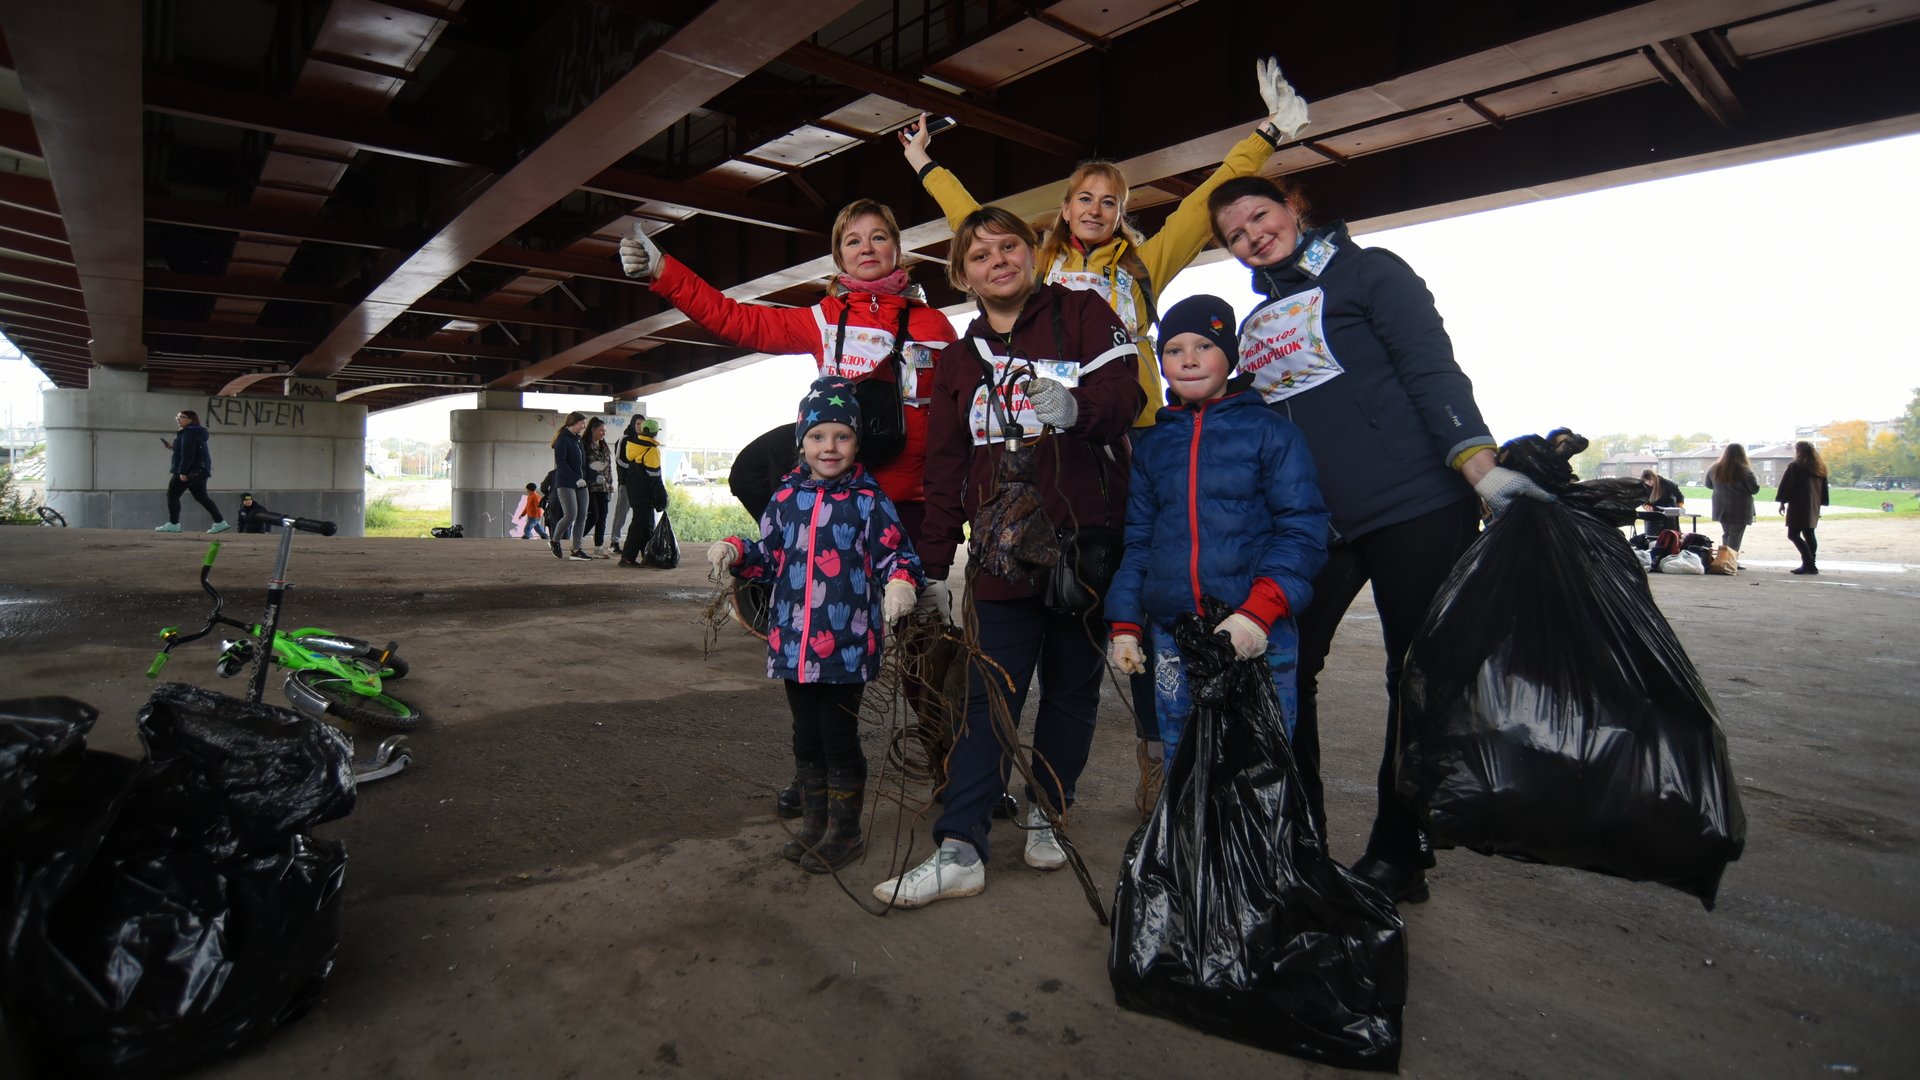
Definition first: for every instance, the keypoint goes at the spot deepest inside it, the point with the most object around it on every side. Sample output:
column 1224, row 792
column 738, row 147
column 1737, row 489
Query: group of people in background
column 595, row 485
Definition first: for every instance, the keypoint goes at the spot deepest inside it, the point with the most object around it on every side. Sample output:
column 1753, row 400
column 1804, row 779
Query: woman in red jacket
column 1039, row 358
column 867, row 327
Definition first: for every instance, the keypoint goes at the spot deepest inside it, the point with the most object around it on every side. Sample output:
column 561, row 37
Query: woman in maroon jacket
column 1083, row 392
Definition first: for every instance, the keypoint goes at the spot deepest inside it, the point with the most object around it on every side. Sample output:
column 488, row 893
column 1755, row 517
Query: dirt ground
column 580, row 876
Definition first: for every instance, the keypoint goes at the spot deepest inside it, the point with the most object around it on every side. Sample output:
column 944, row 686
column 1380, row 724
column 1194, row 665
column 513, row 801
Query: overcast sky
column 1742, row 302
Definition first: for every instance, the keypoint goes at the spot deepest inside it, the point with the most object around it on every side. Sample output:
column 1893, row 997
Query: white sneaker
column 941, row 877
column 1043, row 848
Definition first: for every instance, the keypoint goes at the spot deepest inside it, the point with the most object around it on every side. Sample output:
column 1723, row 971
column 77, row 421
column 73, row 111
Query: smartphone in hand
column 935, row 125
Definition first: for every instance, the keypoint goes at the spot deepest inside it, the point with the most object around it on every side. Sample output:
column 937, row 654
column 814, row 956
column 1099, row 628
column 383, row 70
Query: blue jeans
column 1021, row 635
column 1174, row 702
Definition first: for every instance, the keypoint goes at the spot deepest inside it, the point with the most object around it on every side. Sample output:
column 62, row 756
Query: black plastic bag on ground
column 662, row 549
column 1229, row 916
column 1548, row 712
column 41, row 739
column 172, row 910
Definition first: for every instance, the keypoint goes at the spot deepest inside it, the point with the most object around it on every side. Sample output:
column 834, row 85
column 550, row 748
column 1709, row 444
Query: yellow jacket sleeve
column 952, row 195
column 1188, row 228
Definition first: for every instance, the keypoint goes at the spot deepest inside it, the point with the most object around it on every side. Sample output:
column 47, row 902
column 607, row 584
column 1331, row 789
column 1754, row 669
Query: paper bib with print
column 1118, row 292
column 867, row 348
column 984, row 418
column 1284, row 346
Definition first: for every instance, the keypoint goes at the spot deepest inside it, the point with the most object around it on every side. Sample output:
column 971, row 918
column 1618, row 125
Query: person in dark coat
column 646, row 489
column 570, row 487
column 1802, row 492
column 1661, row 492
column 188, row 470
column 1733, row 485
column 1349, row 346
column 1049, row 372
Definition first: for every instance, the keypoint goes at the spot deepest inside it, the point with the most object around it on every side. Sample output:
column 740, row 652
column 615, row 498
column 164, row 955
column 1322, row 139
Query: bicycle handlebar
column 312, row 525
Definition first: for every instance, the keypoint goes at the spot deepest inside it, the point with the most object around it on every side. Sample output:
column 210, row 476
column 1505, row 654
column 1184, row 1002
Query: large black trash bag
column 1229, row 914
column 662, row 549
column 178, row 909
column 1548, row 712
column 41, row 740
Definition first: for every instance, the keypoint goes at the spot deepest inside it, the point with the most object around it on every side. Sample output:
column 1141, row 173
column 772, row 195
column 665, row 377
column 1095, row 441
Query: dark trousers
column 826, row 725
column 1021, row 635
column 1407, row 563
column 197, row 487
column 1802, row 539
column 640, row 528
column 596, row 518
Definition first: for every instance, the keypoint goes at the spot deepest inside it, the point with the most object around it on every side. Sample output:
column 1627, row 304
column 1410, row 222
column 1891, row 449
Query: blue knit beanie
column 829, row 401
column 1210, row 317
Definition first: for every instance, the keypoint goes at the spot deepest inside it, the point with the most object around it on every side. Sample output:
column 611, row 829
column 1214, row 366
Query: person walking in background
column 569, row 487
column 1802, row 492
column 189, row 471
column 842, row 572
column 1349, row 345
column 599, row 459
column 530, row 512
column 646, row 489
column 1733, row 485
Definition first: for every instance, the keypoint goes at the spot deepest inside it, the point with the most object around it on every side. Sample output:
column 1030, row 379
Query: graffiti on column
column 255, row 413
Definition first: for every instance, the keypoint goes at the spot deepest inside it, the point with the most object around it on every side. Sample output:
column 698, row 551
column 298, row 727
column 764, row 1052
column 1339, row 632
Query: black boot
column 812, row 781
column 846, row 797
column 787, row 804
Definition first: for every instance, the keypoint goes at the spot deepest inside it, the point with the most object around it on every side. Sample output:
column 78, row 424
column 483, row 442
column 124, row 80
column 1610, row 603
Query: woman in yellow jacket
column 1090, row 244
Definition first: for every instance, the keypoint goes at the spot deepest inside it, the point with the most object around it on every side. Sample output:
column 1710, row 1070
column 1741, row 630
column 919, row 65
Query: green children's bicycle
column 329, row 674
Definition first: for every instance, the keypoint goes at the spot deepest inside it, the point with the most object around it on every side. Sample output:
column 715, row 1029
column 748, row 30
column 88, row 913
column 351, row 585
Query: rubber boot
column 812, row 781
column 787, row 804
column 846, row 798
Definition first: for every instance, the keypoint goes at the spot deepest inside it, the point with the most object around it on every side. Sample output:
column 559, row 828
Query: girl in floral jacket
column 842, row 570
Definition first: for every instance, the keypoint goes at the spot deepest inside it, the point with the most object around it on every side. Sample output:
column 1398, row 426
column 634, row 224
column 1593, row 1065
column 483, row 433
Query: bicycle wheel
column 382, row 712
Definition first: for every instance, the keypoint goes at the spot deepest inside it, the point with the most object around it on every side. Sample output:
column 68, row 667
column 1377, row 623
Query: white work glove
column 639, row 256
column 1502, row 485
column 720, row 556
column 1123, row 652
column 1248, row 639
column 896, row 601
column 1286, row 110
column 935, row 597
column 580, row 483
column 1053, row 404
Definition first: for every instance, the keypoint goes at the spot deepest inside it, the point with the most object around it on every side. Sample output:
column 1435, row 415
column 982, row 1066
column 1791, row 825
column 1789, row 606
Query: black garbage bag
column 41, row 740
column 1548, row 712
column 1229, row 915
column 171, row 910
column 662, row 549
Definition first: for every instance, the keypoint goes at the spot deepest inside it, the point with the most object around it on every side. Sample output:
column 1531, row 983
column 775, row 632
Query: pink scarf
column 892, row 285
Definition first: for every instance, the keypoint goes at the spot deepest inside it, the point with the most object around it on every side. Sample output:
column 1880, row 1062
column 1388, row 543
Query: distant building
column 1690, row 467
column 1770, row 461
column 1629, row 464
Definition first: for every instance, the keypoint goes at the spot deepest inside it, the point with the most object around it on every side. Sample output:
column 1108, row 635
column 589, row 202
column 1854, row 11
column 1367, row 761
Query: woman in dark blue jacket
column 570, row 486
column 188, row 471
column 1349, row 346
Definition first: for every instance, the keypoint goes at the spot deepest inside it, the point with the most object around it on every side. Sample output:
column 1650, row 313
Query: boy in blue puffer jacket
column 1224, row 502
column 842, row 571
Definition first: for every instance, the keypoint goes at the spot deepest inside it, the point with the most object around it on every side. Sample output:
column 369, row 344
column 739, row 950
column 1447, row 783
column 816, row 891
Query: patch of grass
column 1905, row 503
column 697, row 523
column 386, row 519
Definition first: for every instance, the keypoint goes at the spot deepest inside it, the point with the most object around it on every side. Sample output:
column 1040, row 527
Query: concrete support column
column 106, row 467
column 498, row 449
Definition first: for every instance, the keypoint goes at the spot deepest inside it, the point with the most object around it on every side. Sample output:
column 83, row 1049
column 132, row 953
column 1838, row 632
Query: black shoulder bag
column 883, row 411
column 1089, row 554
